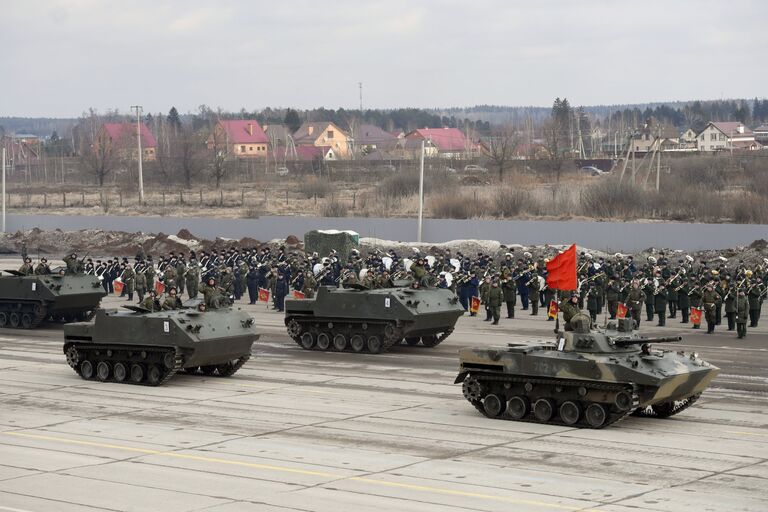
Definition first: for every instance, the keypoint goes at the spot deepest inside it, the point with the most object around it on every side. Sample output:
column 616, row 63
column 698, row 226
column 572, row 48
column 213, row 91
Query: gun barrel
column 660, row 339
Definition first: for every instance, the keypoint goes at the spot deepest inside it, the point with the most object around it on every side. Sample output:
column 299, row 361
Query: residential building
column 369, row 138
column 441, row 142
column 761, row 134
column 324, row 134
column 122, row 137
column 726, row 136
column 242, row 138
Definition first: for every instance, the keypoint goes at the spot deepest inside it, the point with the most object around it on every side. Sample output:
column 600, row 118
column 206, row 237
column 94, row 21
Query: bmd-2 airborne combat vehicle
column 141, row 347
column 585, row 379
column 27, row 301
column 357, row 318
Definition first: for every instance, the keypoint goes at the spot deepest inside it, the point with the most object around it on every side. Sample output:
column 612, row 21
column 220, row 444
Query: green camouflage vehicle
column 358, row 319
column 27, row 301
column 584, row 379
column 141, row 347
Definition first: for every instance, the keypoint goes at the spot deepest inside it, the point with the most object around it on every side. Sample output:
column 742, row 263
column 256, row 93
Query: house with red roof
column 122, row 137
column 726, row 136
column 441, row 142
column 242, row 138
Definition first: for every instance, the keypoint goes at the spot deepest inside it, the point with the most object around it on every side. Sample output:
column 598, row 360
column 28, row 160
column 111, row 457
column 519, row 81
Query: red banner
column 263, row 295
column 159, row 287
column 298, row 295
column 553, row 309
column 621, row 310
column 118, row 286
column 474, row 305
column 696, row 316
column 561, row 271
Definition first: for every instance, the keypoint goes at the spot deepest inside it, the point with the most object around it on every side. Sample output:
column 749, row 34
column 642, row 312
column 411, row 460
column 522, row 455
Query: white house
column 722, row 136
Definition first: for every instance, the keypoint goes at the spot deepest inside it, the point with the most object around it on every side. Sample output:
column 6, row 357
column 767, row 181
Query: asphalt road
column 311, row 431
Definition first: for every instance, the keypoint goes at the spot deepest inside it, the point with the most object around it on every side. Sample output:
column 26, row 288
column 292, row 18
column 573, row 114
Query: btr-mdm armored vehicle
column 27, row 301
column 142, row 347
column 359, row 319
column 583, row 379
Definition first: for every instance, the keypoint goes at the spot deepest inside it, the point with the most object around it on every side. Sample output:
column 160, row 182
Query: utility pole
column 138, row 141
column 3, row 189
column 658, row 162
column 360, row 86
column 421, row 193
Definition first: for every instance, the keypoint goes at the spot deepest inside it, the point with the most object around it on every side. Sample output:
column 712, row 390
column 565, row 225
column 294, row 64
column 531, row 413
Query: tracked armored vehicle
column 27, row 301
column 358, row 319
column 141, row 347
column 584, row 379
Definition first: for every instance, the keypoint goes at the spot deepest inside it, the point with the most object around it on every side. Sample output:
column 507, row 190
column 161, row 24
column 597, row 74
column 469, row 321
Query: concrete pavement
column 311, row 431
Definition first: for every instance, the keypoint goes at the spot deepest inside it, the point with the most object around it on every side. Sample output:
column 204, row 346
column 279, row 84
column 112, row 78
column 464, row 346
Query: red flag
column 474, row 305
column 561, row 271
column 621, row 310
column 118, row 286
column 696, row 316
column 553, row 309
column 263, row 295
column 298, row 295
column 159, row 287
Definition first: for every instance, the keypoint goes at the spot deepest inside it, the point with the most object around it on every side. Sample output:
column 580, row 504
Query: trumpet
column 693, row 290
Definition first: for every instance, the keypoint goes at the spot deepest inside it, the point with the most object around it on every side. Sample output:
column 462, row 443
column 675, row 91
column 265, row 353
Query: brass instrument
column 693, row 290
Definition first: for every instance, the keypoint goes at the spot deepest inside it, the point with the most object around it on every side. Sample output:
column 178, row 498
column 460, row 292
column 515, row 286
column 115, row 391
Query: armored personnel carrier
column 141, row 347
column 359, row 319
column 27, row 301
column 584, row 379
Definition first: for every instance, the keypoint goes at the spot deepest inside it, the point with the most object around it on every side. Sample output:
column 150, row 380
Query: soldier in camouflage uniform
column 192, row 278
column 708, row 299
column 635, row 299
column 742, row 313
column 495, row 298
column 509, row 289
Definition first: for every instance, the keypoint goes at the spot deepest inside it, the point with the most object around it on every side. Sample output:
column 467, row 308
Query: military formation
column 658, row 289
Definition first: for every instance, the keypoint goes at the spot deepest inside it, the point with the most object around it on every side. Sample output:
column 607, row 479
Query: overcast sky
column 57, row 58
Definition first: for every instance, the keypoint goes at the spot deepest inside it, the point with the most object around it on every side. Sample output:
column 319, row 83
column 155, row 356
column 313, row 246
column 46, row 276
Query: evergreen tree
column 173, row 118
column 292, row 120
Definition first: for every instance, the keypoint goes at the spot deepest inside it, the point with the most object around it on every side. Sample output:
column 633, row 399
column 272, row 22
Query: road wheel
column 102, row 371
column 493, row 406
column 26, row 321
column 154, row 375
column 86, row 370
column 137, row 373
column 595, row 414
column 357, row 342
column 412, row 341
column 570, row 412
column 374, row 344
column 3, row 319
column 120, row 371
column 543, row 409
column 339, row 343
column 14, row 320
column 307, row 341
column 518, row 407
column 622, row 401
column 323, row 341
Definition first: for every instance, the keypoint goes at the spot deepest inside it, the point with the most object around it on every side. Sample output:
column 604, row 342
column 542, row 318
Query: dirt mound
column 759, row 245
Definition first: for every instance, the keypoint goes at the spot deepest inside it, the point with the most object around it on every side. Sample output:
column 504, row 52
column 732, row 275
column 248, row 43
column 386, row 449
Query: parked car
column 592, row 170
column 282, row 171
column 388, row 168
column 450, row 170
column 475, row 168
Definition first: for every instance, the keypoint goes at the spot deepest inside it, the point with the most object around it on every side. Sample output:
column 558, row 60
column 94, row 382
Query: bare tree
column 97, row 151
column 220, row 163
column 501, row 149
column 189, row 155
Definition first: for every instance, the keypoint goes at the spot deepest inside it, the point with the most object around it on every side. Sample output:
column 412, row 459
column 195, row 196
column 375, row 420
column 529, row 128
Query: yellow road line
column 305, row 472
column 746, row 433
